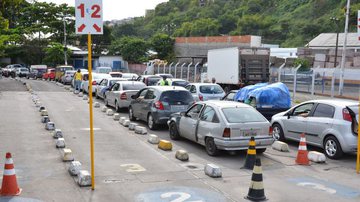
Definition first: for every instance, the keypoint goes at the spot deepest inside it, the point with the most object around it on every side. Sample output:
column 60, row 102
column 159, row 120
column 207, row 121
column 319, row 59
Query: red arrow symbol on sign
column 97, row 28
column 81, row 28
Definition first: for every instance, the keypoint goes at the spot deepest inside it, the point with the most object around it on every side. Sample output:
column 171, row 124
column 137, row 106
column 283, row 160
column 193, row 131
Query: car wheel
column 117, row 108
column 210, row 147
column 151, row 122
column 173, row 131
column 332, row 148
column 277, row 132
column 260, row 151
column 131, row 114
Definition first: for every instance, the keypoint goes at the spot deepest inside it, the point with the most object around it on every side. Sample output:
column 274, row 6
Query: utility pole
column 336, row 20
column 65, row 48
column 341, row 84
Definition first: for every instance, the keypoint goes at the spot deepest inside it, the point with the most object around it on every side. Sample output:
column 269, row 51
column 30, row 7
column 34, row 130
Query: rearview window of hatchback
column 211, row 89
column 177, row 96
column 242, row 115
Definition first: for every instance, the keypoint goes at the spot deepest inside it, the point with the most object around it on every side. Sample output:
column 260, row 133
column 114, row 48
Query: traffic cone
column 302, row 155
column 9, row 184
column 256, row 189
column 251, row 155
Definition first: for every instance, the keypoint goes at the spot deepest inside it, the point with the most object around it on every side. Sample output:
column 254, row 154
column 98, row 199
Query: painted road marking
column 180, row 194
column 326, row 186
column 133, row 168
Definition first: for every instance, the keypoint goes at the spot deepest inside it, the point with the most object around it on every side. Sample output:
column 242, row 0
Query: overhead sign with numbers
column 89, row 17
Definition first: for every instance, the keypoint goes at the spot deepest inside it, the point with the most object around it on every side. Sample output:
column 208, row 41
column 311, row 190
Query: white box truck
column 236, row 67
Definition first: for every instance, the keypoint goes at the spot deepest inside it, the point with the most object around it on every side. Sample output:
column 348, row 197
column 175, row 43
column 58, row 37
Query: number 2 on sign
column 182, row 196
column 96, row 8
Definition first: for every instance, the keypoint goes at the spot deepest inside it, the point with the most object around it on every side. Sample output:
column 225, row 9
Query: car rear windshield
column 136, row 86
column 211, row 89
column 242, row 115
column 177, row 97
column 180, row 83
column 152, row 81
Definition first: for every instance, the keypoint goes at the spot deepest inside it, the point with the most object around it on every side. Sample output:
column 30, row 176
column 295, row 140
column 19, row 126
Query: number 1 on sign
column 96, row 8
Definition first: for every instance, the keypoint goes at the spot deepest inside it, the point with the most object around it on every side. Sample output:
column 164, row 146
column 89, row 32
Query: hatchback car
column 104, row 85
column 328, row 124
column 155, row 104
column 222, row 125
column 22, row 72
column 119, row 95
column 96, row 78
column 205, row 91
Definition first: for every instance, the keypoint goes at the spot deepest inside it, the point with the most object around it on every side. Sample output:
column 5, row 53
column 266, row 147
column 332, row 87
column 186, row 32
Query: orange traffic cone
column 302, row 156
column 9, row 184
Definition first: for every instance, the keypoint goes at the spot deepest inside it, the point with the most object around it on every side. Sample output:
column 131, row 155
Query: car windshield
column 180, row 83
column 116, row 75
column 70, row 72
column 211, row 89
column 230, row 96
column 242, row 115
column 23, row 70
column 135, row 86
column 104, row 70
column 177, row 96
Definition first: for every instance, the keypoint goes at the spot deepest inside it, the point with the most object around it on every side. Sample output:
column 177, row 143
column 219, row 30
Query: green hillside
column 290, row 23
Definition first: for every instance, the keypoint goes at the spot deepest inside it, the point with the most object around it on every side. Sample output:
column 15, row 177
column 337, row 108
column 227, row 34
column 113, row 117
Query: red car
column 50, row 74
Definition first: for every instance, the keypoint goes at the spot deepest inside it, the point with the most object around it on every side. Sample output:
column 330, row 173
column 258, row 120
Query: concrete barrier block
column 71, row 90
column 80, row 94
column 97, row 105
column 165, row 145
column 67, row 155
column 85, row 97
column 116, row 116
column 84, row 178
column 60, row 143
column 126, row 123
column 140, row 130
column 109, row 112
column 182, row 155
column 50, row 126
column 121, row 120
column 75, row 167
column 280, row 146
column 41, row 108
column 104, row 109
column 45, row 119
column 132, row 126
column 153, row 139
column 44, row 112
column 57, row 134
column 213, row 170
column 316, row 157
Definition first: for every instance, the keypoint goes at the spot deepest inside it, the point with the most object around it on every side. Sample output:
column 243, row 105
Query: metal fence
column 318, row 81
column 187, row 71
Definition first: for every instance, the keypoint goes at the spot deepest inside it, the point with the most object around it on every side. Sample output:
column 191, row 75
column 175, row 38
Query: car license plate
column 249, row 133
column 178, row 107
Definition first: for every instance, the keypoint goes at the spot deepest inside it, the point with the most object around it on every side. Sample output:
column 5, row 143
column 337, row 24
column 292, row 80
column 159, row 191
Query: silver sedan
column 328, row 124
column 221, row 125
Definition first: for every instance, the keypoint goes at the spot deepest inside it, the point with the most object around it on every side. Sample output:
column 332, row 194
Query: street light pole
column 65, row 48
column 341, row 84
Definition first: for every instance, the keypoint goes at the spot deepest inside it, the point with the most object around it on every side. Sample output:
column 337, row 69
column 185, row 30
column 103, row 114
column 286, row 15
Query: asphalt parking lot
column 128, row 168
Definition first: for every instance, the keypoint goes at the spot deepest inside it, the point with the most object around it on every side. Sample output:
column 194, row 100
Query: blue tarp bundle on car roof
column 275, row 95
column 243, row 93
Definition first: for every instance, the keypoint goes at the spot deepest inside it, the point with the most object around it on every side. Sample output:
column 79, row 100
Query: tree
column 132, row 49
column 54, row 54
column 163, row 44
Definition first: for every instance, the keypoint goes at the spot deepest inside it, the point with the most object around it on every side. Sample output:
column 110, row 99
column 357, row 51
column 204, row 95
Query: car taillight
column 270, row 131
column 201, row 97
column 123, row 96
column 159, row 105
column 94, row 83
column 227, row 132
column 346, row 115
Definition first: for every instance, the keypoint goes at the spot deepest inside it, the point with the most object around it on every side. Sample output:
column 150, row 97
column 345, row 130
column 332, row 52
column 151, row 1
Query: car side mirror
column 288, row 114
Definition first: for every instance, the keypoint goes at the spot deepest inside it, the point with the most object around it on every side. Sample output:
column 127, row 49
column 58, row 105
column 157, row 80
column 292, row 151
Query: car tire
column 151, row 123
column 173, row 131
column 117, row 108
column 210, row 147
column 332, row 148
column 260, row 151
column 278, row 133
column 131, row 114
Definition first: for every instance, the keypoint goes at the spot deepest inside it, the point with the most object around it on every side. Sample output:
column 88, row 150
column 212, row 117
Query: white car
column 119, row 95
column 104, row 85
column 328, row 124
column 130, row 76
column 96, row 78
column 206, row 91
column 103, row 70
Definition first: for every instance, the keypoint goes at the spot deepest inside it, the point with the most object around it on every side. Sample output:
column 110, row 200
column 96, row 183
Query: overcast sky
column 120, row 9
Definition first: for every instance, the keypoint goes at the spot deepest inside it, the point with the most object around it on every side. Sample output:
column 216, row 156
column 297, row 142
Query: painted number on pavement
column 133, row 168
column 181, row 196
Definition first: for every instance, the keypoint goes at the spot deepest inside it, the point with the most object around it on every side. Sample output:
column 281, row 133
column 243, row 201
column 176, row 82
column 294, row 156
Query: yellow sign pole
column 91, row 113
column 358, row 146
